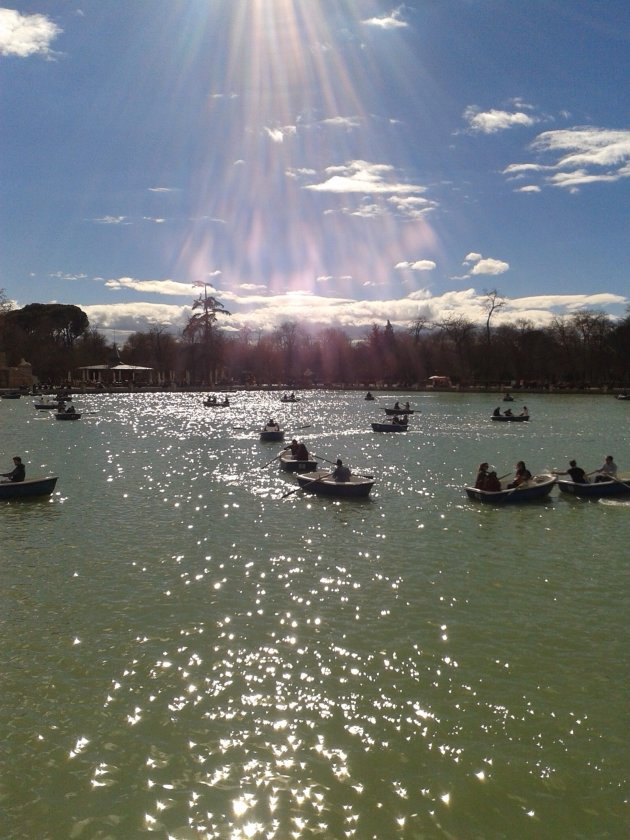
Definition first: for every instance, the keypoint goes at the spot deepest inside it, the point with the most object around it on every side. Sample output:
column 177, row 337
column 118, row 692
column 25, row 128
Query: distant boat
column 68, row 415
column 536, row 488
column 513, row 418
column 389, row 427
column 393, row 411
column 47, row 403
column 28, row 488
column 271, row 433
column 369, row 396
column 11, row 395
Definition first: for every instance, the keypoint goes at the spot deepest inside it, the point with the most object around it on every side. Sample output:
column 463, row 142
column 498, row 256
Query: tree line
column 585, row 349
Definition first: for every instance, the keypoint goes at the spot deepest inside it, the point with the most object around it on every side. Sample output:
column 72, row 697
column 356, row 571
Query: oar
column 501, row 477
column 308, row 484
column 299, row 428
column 272, row 460
column 334, row 463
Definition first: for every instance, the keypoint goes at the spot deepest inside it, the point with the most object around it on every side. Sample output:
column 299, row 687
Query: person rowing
column 607, row 471
column 575, row 473
column 341, row 472
column 18, row 473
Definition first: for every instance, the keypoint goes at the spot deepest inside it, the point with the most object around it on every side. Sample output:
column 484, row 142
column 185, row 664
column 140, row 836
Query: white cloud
column 112, row 220
column 531, row 188
column 267, row 312
column 360, row 176
column 418, row 265
column 278, row 134
column 489, row 122
column 585, row 155
column 390, row 21
column 490, row 266
column 342, row 122
column 472, row 257
column 26, row 35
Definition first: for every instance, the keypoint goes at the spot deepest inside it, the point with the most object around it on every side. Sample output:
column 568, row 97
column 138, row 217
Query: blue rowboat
column 537, row 487
column 593, row 489
column 28, row 488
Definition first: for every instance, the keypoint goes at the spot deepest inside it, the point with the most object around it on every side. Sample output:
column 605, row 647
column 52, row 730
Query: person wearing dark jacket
column 18, row 473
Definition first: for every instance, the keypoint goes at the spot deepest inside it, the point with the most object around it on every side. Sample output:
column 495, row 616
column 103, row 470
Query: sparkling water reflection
column 189, row 654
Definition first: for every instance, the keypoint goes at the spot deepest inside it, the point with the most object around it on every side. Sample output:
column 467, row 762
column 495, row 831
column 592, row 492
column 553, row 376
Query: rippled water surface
column 188, row 654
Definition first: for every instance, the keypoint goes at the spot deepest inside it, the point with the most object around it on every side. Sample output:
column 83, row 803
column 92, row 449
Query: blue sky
column 341, row 162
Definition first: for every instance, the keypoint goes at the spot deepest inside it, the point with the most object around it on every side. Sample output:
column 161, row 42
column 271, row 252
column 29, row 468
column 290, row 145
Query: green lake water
column 188, row 655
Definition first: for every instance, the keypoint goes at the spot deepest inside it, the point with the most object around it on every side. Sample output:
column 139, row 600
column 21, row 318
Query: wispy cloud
column 26, row 35
column 112, row 220
column 363, row 177
column 585, row 155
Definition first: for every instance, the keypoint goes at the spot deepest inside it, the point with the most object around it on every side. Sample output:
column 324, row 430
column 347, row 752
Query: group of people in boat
column 399, row 407
column 299, row 452
column 212, row 400
column 62, row 408
column 272, row 426
column 607, row 471
column 509, row 413
column 289, row 397
column 403, row 420
column 488, row 480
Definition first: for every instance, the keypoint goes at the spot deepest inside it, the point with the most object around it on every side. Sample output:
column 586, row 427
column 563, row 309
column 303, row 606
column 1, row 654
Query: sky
column 333, row 162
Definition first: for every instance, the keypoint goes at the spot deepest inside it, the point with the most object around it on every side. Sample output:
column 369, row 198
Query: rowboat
column 510, row 418
column 47, row 403
column 536, row 488
column 68, row 415
column 290, row 399
column 210, row 404
column 389, row 427
column 28, row 488
column 394, row 411
column 322, row 483
column 11, row 395
column 594, row 489
column 271, row 433
column 291, row 465
column 623, row 396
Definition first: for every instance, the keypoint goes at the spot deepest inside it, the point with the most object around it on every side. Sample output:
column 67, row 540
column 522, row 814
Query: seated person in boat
column 272, row 426
column 226, row 402
column 294, row 446
column 71, row 409
column 521, row 475
column 397, row 405
column 407, row 406
column 482, row 476
column 507, row 412
column 525, row 411
column 18, row 473
column 608, row 470
column 341, row 472
column 575, row 473
column 492, row 482
column 496, row 412
column 302, row 453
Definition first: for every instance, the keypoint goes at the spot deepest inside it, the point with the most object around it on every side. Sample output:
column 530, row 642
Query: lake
column 189, row 655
